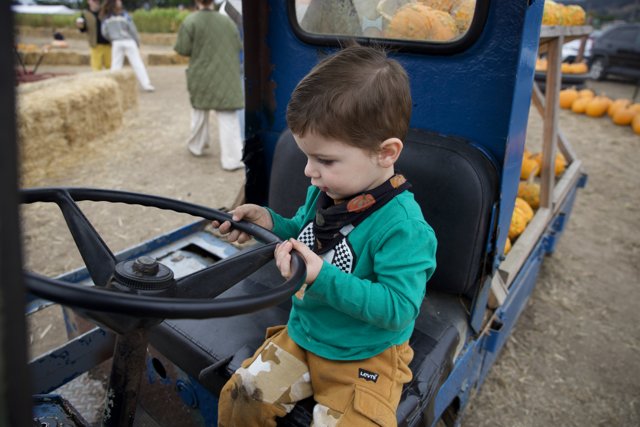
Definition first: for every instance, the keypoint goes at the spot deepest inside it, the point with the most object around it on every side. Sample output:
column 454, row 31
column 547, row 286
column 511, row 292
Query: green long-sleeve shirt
column 357, row 315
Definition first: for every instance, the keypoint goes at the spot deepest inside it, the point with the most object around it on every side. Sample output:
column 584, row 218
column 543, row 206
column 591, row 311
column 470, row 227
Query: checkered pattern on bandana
column 341, row 255
column 306, row 236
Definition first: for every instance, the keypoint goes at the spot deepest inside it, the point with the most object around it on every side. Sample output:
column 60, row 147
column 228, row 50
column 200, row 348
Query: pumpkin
column 624, row 116
column 507, row 246
column 518, row 224
column 616, row 105
column 566, row 97
column 462, row 13
column 415, row 21
column 530, row 192
column 578, row 68
column 565, row 68
column 541, row 64
column 573, row 15
column 635, row 124
column 559, row 165
column 579, row 106
column 443, row 5
column 524, row 209
column 597, row 106
column 586, row 93
column 529, row 166
column 552, row 13
column 635, row 107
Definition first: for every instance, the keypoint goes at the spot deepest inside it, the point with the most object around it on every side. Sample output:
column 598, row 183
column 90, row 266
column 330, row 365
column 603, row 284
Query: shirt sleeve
column 184, row 41
column 133, row 30
column 104, row 29
column 286, row 228
column 392, row 300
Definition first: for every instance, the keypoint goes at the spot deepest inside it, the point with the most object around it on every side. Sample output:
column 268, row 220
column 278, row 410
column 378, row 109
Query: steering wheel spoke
column 214, row 280
column 95, row 253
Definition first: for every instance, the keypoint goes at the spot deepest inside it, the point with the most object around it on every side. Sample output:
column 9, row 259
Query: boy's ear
column 389, row 152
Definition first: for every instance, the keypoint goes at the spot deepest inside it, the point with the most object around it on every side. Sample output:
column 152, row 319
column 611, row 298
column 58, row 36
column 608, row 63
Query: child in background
column 119, row 29
column 367, row 249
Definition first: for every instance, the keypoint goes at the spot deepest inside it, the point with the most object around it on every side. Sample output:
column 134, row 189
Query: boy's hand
column 283, row 259
column 252, row 213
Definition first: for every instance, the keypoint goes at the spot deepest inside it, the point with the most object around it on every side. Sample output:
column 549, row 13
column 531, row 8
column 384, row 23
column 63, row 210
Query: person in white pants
column 229, row 134
column 212, row 43
column 120, row 30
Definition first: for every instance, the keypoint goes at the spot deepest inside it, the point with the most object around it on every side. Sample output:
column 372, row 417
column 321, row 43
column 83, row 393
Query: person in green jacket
column 367, row 248
column 212, row 43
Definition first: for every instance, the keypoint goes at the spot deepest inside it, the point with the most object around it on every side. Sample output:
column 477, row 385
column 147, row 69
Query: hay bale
column 55, row 57
column 169, row 58
column 59, row 118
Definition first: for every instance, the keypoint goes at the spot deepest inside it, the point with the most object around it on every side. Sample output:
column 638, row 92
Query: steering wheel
column 145, row 288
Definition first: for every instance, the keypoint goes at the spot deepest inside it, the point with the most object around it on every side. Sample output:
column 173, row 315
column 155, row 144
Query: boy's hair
column 357, row 96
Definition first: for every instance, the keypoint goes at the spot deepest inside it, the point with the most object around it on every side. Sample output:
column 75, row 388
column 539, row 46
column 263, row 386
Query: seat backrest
column 454, row 182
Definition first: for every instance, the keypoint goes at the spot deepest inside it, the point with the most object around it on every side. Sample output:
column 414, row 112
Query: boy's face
column 339, row 169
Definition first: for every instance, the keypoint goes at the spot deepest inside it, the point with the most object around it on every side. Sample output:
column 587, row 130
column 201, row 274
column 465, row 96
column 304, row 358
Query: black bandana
column 331, row 217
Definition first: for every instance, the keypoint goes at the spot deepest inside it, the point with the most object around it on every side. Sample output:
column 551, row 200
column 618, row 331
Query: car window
column 623, row 35
column 434, row 21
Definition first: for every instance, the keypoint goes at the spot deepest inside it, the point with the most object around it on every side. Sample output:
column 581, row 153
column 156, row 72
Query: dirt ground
column 574, row 357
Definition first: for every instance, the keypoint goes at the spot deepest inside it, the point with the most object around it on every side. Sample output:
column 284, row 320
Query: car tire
column 598, row 70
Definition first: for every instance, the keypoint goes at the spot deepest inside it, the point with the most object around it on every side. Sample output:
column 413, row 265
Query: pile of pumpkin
column 560, row 14
column 621, row 111
column 528, row 199
column 565, row 67
column 427, row 20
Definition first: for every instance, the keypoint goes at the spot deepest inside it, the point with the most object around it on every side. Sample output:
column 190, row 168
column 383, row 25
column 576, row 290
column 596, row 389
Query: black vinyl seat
column 456, row 186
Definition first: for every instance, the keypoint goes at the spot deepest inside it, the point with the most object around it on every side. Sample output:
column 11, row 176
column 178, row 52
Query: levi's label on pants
column 347, row 393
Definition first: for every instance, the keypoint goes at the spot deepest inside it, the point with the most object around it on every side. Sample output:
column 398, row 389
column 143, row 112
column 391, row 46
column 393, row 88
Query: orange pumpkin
column 541, row 64
column 624, row 116
column 552, row 13
column 518, row 224
column 597, row 106
column 416, row 21
column 573, row 15
column 524, row 208
column 617, row 104
column 566, row 97
column 559, row 165
column 529, row 167
column 507, row 246
column 635, row 107
column 579, row 106
column 578, row 68
column 530, row 192
column 635, row 124
column 462, row 13
column 586, row 93
column 444, row 5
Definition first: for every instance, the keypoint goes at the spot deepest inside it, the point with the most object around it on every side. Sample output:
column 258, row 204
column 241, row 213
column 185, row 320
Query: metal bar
column 61, row 365
column 124, row 382
column 15, row 402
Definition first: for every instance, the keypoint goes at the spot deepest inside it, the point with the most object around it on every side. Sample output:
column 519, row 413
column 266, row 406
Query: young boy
column 367, row 249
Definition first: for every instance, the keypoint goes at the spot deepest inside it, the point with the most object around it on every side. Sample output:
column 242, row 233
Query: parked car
column 570, row 49
column 616, row 52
